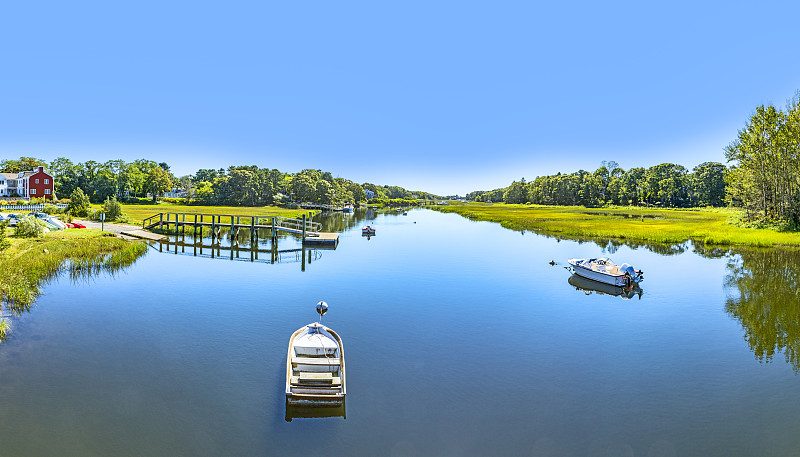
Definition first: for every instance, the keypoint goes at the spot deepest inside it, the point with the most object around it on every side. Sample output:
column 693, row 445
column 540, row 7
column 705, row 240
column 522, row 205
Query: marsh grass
column 712, row 226
column 80, row 252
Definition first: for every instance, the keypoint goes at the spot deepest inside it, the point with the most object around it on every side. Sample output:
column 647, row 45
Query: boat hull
column 304, row 363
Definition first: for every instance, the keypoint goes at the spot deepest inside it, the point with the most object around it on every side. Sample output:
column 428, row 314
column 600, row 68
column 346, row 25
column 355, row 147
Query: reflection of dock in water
column 588, row 286
column 253, row 253
column 314, row 412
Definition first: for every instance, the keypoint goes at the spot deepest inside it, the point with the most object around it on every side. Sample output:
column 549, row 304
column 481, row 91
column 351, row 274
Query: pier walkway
column 215, row 223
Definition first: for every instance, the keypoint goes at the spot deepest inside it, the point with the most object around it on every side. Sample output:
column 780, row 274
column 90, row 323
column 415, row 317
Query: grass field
column 712, row 225
column 140, row 212
column 30, row 262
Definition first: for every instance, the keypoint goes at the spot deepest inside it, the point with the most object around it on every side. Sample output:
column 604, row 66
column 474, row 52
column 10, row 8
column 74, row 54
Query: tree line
column 665, row 185
column 235, row 186
column 765, row 176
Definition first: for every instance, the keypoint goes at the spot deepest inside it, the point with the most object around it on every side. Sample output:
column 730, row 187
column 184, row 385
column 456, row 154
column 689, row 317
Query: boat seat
column 316, row 379
column 332, row 361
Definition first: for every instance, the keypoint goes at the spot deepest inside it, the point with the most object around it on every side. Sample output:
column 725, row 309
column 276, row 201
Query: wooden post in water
column 176, row 229
column 252, row 230
column 213, row 231
column 304, row 231
column 232, row 234
column 195, row 228
column 273, row 234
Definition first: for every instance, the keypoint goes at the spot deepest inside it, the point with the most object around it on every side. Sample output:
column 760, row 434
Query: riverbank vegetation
column 664, row 185
column 28, row 263
column 235, row 186
column 712, row 226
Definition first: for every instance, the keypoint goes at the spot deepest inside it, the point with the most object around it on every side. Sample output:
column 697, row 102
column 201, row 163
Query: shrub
column 51, row 209
column 4, row 243
column 31, row 227
column 78, row 203
column 125, row 219
column 36, row 201
column 112, row 208
column 21, row 202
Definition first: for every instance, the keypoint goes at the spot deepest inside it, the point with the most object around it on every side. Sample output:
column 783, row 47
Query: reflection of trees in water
column 768, row 301
column 709, row 252
column 339, row 222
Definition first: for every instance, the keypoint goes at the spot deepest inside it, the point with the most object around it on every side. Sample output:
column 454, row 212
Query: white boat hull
column 606, row 272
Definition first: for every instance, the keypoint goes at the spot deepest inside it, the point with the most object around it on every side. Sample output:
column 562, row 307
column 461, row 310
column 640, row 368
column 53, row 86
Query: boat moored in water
column 368, row 229
column 315, row 374
column 605, row 271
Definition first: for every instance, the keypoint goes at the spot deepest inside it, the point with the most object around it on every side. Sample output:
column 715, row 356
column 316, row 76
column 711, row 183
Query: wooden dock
column 144, row 235
column 177, row 223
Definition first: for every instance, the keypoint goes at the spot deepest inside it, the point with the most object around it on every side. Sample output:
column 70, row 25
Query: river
column 461, row 339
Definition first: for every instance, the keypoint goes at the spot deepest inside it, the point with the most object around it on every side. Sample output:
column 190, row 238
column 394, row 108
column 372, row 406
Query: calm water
column 460, row 340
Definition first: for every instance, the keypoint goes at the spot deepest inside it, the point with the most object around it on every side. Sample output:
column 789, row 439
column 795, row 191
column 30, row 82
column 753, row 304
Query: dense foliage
column 235, row 186
column 765, row 176
column 666, row 185
column 78, row 203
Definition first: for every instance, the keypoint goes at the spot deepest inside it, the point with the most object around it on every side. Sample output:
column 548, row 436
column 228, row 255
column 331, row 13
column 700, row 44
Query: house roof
column 10, row 175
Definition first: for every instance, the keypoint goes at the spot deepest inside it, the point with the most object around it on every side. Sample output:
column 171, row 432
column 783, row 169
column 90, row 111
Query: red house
column 34, row 184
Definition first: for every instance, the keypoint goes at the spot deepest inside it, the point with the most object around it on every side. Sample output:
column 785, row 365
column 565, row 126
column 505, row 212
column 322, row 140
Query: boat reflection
column 588, row 287
column 314, row 412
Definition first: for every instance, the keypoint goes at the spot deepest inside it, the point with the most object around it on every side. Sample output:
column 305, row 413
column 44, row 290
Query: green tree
column 23, row 164
column 112, row 208
column 78, row 203
column 708, row 184
column 157, row 182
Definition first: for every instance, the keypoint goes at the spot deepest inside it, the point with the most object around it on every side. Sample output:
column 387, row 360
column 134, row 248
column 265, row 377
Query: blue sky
column 447, row 97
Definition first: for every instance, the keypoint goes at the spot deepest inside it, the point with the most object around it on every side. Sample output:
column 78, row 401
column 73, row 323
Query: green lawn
column 709, row 225
column 141, row 212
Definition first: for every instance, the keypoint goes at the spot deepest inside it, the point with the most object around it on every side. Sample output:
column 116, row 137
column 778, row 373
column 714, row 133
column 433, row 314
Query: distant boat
column 605, row 271
column 368, row 230
column 348, row 209
column 315, row 374
column 405, row 213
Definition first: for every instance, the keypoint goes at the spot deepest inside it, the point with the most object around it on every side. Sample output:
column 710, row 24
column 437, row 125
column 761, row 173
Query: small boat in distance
column 315, row 365
column 605, row 271
column 368, row 229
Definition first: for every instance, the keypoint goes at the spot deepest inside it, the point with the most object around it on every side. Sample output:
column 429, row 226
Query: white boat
column 315, row 374
column 605, row 271
column 368, row 229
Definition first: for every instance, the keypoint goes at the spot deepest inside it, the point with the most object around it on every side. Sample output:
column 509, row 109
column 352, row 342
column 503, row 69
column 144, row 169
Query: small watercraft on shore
column 315, row 374
column 605, row 271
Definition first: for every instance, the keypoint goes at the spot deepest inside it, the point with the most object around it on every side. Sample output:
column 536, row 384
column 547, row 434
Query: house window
column 33, row 191
column 37, row 180
column 47, row 181
column 47, row 191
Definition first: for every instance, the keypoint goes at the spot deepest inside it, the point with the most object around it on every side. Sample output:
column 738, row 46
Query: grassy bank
column 30, row 262
column 140, row 212
column 712, row 226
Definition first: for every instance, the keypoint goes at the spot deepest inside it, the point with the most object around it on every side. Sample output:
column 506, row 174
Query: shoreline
column 708, row 225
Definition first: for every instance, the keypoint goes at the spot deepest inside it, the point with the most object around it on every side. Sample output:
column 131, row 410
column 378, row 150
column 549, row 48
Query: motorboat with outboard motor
column 606, row 271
